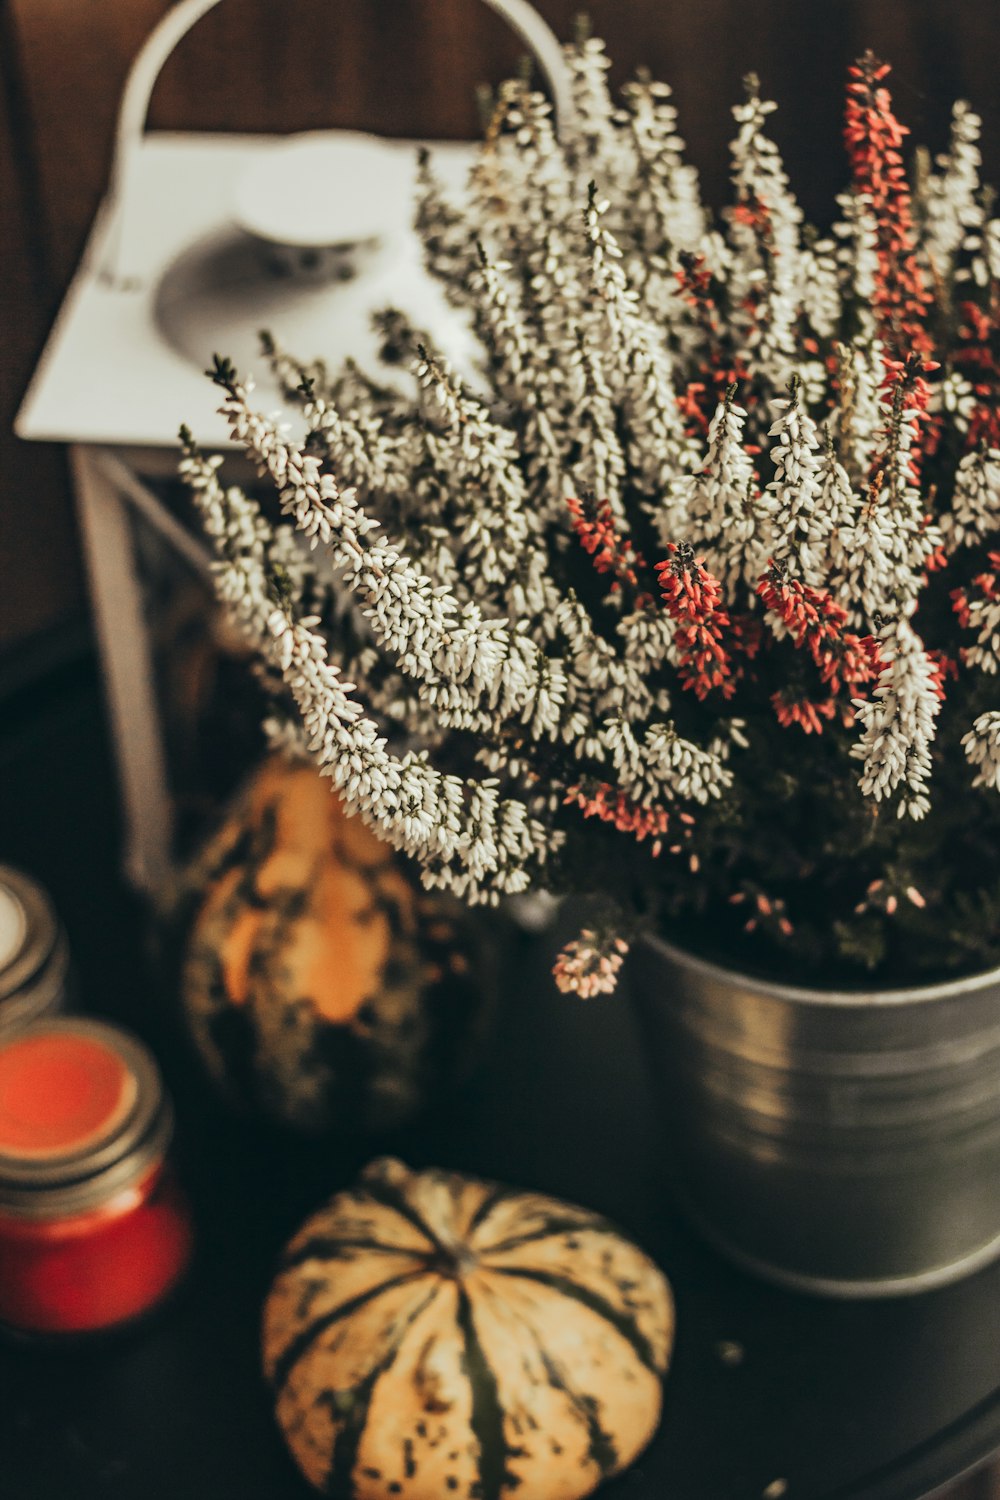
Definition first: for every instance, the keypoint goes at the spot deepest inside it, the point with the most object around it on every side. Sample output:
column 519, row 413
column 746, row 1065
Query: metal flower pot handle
column 519, row 14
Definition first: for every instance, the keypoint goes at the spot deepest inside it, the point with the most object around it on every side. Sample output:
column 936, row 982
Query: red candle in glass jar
column 93, row 1227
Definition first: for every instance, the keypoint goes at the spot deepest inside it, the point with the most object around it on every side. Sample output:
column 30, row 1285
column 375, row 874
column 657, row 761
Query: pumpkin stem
column 455, row 1260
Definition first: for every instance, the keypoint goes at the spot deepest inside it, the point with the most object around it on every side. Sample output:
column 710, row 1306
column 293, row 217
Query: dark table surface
column 838, row 1401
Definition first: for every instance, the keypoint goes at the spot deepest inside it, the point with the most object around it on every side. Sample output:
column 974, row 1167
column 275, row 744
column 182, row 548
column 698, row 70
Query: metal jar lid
column 34, row 955
column 83, row 1115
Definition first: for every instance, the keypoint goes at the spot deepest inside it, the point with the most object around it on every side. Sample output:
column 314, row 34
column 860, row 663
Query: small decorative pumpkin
column 322, row 985
column 430, row 1336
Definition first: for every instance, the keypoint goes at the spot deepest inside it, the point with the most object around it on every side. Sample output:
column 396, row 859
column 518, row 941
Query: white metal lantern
column 184, row 259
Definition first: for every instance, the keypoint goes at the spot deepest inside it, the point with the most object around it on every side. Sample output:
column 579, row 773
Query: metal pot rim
column 848, row 999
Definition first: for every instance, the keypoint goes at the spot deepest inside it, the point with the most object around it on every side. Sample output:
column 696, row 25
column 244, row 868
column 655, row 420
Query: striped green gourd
column 429, row 1335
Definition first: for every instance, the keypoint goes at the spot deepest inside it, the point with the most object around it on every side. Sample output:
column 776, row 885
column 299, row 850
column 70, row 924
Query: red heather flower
column 692, row 403
column 936, row 562
column 984, row 426
column 808, row 715
column 603, row 801
column 944, row 666
column 978, row 358
column 695, row 280
column 907, row 392
column 874, row 136
column 756, row 216
column 692, row 598
column 988, row 586
column 909, row 374
column 960, row 604
column 766, row 911
column 988, row 582
column 700, row 398
column 594, row 523
column 748, row 634
column 847, row 663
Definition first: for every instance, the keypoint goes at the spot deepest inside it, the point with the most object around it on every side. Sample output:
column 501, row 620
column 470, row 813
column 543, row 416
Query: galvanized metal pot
column 840, row 1143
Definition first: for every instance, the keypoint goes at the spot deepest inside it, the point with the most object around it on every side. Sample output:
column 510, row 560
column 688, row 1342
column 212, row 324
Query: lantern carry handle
column 519, row 14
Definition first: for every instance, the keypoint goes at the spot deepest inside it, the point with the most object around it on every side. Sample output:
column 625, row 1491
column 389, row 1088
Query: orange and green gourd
column 322, row 985
column 431, row 1336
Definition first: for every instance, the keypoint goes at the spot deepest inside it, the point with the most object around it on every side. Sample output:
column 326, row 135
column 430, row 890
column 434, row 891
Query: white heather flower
column 837, row 502
column 718, row 510
column 292, row 374
column 951, row 205
column 859, row 258
column 984, row 619
column 646, row 637
column 522, row 187
column 469, row 665
column 590, row 133
column 975, row 509
column 863, row 578
column 796, row 527
column 532, row 218
column 501, row 324
column 982, row 749
column 662, row 201
column 958, row 399
column 898, row 722
column 686, row 770
column 662, row 766
column 601, row 680
column 448, row 247
column 991, row 238
column 462, row 832
column 859, row 413
column 657, row 446
column 879, row 563
column 819, row 286
column 497, row 537
column 519, row 364
column 841, row 509
column 762, row 186
column 599, row 465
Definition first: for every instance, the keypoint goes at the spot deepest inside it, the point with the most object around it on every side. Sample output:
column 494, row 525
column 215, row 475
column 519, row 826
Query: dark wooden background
column 399, row 66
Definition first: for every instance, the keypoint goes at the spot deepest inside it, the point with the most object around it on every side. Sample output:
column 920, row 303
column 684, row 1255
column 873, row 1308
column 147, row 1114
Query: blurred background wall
column 404, row 67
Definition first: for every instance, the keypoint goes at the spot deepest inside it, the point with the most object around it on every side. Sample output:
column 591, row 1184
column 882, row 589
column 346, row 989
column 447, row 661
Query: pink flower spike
column 901, row 299
column 594, row 523
column 692, row 597
column 589, row 966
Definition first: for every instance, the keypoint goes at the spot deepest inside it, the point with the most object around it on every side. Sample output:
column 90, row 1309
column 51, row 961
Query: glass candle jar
column 94, row 1229
column 34, row 956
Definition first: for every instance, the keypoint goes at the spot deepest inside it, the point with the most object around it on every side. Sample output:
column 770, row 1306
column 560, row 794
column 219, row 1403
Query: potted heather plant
column 684, row 599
